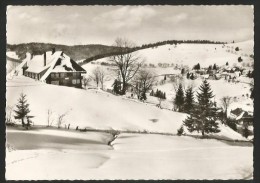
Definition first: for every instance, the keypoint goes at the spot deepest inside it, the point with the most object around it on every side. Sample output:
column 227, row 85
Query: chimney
column 53, row 51
column 44, row 59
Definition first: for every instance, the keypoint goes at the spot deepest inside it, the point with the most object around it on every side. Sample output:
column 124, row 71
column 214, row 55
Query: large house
column 54, row 67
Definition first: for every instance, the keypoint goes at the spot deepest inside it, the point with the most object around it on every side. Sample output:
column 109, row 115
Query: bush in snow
column 180, row 131
column 116, row 87
column 239, row 59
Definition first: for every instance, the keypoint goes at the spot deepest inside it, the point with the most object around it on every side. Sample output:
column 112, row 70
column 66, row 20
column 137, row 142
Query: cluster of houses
column 53, row 67
column 231, row 74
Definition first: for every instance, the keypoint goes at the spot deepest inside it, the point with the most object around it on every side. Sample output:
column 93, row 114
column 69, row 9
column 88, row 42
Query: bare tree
column 86, row 81
column 11, row 65
column 176, row 83
column 102, row 77
column 143, row 82
column 127, row 62
column 9, row 113
column 95, row 75
column 225, row 103
column 49, row 117
column 159, row 105
column 61, row 118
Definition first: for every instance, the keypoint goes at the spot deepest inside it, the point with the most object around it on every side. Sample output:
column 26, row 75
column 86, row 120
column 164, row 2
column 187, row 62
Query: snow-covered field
column 60, row 154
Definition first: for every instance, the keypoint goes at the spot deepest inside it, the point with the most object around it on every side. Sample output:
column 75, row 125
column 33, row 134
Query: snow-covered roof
column 55, row 62
column 36, row 64
column 62, row 63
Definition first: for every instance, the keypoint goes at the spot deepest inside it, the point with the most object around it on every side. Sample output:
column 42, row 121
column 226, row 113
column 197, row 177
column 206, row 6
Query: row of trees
column 184, row 101
column 158, row 94
column 203, row 116
column 197, row 67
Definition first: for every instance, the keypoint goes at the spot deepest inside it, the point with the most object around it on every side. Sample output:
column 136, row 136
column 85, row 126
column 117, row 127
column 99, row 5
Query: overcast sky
column 141, row 24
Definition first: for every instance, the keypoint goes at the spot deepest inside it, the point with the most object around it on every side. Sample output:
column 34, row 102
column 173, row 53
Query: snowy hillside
column 91, row 109
column 12, row 61
column 95, row 109
column 191, row 54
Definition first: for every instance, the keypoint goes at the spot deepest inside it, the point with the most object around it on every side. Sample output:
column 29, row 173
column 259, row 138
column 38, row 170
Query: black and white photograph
column 129, row 92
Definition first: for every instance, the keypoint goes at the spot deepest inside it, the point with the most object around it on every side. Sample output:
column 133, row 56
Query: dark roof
column 237, row 111
column 246, row 115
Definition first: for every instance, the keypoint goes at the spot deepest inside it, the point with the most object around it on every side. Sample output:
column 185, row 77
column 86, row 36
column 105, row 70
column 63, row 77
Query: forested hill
column 77, row 52
column 89, row 52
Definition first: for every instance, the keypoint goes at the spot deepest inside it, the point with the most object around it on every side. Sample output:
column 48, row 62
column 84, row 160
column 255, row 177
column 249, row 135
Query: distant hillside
column 77, row 52
column 88, row 53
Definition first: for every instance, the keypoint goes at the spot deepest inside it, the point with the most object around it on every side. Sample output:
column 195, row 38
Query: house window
column 74, row 74
column 74, row 81
column 78, row 81
column 69, row 74
column 57, row 75
column 62, row 74
column 52, row 75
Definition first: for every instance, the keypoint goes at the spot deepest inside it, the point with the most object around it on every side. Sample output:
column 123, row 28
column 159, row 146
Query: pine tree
column 152, row 93
column 227, row 64
column 142, row 96
column 164, row 95
column 192, row 76
column 182, row 71
column 214, row 67
column 188, row 75
column 157, row 93
column 189, row 100
column 116, row 86
column 179, row 99
column 164, row 77
column 203, row 117
column 22, row 108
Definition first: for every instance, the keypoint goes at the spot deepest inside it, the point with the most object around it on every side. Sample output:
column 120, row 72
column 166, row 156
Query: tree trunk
column 23, row 122
column 123, row 88
column 202, row 132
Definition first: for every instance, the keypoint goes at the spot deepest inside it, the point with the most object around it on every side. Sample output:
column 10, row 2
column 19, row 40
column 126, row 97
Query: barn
column 54, row 67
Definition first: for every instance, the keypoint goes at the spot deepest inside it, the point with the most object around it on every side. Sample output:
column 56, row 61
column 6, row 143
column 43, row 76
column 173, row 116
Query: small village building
column 242, row 117
column 54, row 67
